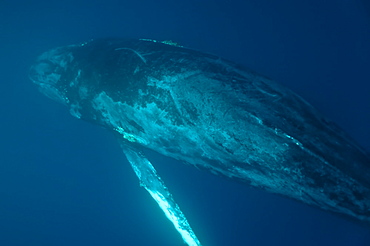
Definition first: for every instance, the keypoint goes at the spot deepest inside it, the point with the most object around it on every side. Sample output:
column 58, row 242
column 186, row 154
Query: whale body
column 211, row 113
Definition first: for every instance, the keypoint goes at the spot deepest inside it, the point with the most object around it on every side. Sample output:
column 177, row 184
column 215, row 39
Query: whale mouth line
column 53, row 93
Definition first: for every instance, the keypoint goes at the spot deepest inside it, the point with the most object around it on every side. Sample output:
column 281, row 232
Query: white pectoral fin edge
column 150, row 180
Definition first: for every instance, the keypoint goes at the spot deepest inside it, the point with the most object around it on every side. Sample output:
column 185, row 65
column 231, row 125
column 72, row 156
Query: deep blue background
column 66, row 182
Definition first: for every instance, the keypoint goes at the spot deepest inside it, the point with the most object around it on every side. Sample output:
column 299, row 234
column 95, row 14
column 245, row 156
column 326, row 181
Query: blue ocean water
column 66, row 182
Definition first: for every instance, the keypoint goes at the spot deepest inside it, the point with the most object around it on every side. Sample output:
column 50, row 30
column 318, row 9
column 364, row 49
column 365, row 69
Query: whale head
column 48, row 73
column 59, row 76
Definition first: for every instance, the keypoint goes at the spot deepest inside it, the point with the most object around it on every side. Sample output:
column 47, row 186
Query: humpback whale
column 210, row 113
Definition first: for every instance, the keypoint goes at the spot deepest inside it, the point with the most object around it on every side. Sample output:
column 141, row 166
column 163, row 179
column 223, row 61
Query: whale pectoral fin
column 150, row 180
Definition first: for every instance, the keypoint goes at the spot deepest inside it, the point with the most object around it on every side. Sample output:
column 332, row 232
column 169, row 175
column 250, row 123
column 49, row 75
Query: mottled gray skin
column 211, row 113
